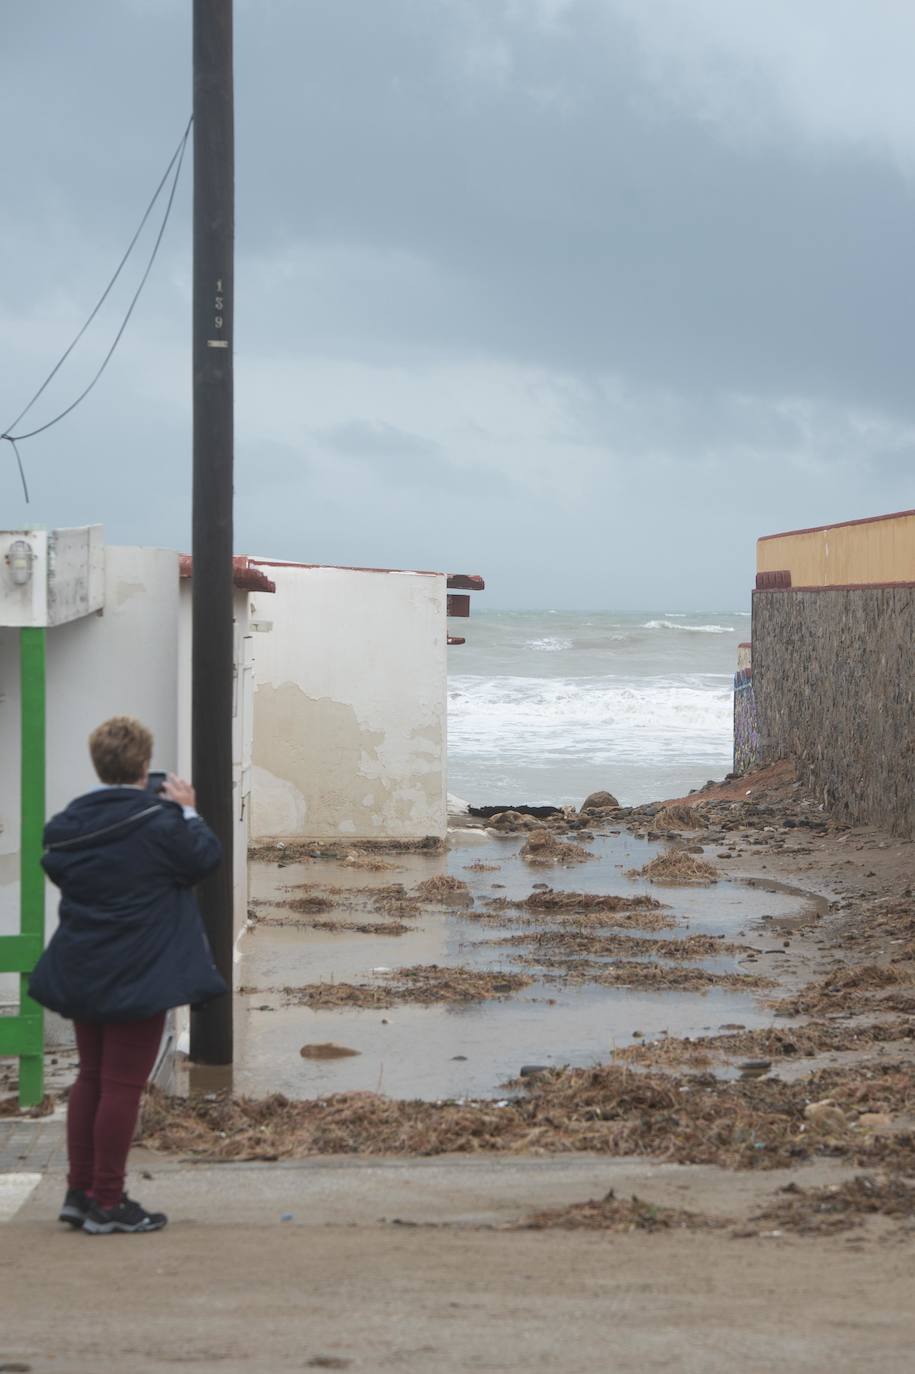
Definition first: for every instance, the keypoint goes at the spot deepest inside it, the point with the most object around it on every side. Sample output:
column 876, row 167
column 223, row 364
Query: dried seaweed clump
column 611, row 1213
column 839, row 1206
column 548, row 900
column 680, row 818
column 370, row 863
column 542, row 847
column 445, row 888
column 678, row 868
column 340, row 927
column 423, row 983
column 848, row 990
column 312, row 902
column 611, row 946
column 632, row 973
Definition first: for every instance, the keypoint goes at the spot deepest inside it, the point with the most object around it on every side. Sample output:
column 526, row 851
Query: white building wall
column 349, row 704
column 120, row 661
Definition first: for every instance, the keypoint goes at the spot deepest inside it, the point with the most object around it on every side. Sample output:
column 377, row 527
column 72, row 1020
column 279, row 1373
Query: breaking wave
column 548, row 645
column 689, row 629
column 599, row 719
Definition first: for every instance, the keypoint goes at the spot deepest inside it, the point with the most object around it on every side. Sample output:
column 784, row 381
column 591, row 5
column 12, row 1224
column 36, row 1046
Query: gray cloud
column 559, row 290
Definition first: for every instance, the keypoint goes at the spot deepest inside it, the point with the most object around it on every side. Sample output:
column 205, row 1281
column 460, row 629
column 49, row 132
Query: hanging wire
column 176, row 162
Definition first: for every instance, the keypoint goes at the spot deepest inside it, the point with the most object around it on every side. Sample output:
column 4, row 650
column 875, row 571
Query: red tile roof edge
column 246, row 577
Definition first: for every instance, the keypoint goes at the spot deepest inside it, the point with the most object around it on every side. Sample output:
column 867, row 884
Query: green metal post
column 32, row 803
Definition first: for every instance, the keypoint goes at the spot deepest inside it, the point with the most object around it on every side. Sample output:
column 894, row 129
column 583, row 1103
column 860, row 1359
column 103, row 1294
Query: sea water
column 547, row 706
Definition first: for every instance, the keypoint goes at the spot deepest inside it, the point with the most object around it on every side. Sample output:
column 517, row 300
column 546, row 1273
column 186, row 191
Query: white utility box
column 48, row 577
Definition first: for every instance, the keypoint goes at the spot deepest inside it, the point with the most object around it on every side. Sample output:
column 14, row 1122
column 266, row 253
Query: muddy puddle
column 462, row 1048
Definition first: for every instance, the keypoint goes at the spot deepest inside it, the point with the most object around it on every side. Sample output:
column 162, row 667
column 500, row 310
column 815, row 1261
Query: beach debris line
column 773, row 1042
column 633, row 973
column 757, row 1123
column 285, row 852
column 634, row 946
column 423, row 983
column 677, row 868
column 583, row 910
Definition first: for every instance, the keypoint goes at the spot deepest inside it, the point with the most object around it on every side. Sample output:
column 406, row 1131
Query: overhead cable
column 175, row 163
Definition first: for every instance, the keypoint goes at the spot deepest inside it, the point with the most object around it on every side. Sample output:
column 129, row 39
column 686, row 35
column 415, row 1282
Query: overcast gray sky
column 583, row 295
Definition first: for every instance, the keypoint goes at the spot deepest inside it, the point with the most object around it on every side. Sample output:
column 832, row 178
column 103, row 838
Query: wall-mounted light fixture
column 19, row 560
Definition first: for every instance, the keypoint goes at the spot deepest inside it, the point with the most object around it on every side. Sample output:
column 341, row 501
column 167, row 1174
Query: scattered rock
column 599, row 801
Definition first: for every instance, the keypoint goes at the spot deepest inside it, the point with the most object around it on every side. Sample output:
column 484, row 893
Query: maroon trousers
column 115, row 1060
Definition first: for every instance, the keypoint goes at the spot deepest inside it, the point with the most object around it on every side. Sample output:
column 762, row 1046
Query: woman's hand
column 177, row 790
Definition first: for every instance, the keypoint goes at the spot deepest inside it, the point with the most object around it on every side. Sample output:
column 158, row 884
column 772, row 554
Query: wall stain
column 319, row 746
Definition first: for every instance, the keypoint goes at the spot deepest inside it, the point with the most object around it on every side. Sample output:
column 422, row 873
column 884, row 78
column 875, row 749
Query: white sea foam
column 548, row 645
column 601, row 719
column 689, row 629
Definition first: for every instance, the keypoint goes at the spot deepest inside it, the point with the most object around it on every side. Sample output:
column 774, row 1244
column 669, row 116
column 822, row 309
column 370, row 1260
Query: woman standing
column 129, row 946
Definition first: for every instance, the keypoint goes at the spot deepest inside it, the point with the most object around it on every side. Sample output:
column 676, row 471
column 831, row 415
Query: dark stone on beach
column 532, row 1070
column 486, row 813
column 599, row 801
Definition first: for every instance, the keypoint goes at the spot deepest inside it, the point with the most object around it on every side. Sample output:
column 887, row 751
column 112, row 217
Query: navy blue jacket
column 130, row 941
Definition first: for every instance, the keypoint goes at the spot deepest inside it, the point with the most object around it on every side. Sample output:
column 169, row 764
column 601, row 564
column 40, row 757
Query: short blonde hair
column 121, row 750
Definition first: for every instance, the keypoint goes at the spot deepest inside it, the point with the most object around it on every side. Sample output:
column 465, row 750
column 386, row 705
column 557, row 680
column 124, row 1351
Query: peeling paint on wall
column 350, row 707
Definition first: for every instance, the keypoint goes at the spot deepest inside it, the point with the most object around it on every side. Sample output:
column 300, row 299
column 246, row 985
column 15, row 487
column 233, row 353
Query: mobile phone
column 155, row 783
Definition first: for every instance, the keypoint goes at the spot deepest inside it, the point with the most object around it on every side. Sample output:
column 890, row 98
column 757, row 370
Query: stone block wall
column 834, row 681
column 746, row 725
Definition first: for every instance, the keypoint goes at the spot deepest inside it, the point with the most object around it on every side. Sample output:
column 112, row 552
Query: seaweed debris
column 423, row 983
column 542, row 847
column 608, row 1110
column 633, row 973
column 839, row 1206
column 677, row 868
column 444, row 888
column 768, row 1042
column 634, row 946
column 611, row 1213
column 862, row 987
column 680, row 818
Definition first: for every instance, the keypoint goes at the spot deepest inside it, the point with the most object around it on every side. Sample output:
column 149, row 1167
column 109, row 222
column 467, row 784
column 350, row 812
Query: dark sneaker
column 127, row 1217
column 76, row 1207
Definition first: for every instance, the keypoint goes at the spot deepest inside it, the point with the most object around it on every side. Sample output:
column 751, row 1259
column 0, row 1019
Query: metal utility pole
column 213, row 633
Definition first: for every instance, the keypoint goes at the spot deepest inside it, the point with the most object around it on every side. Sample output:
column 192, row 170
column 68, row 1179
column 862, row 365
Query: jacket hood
column 100, row 817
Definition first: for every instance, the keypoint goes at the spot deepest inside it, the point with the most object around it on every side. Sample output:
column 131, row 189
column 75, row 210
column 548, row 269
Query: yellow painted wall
column 881, row 550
